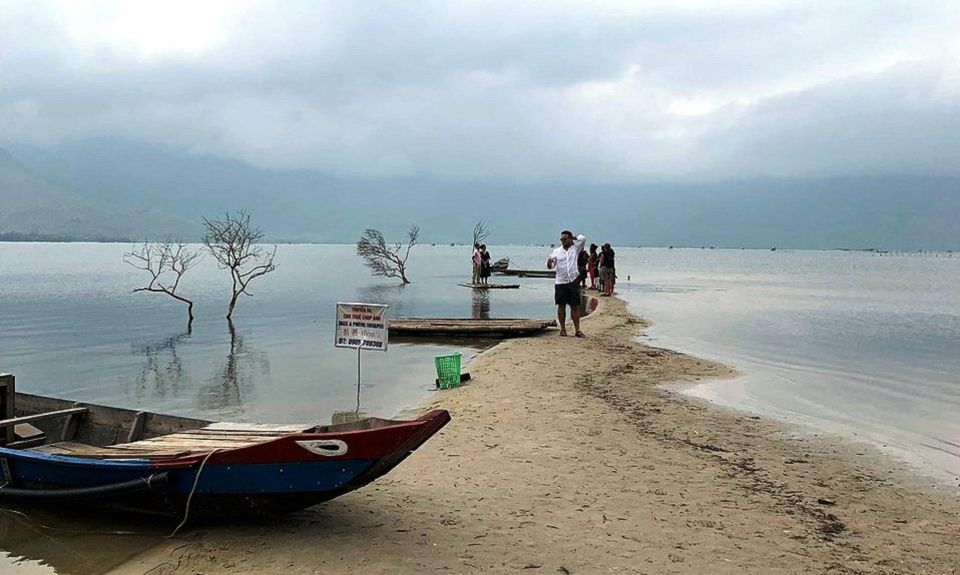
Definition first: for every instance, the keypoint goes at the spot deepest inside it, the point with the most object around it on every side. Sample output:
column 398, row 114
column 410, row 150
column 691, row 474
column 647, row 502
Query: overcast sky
column 598, row 92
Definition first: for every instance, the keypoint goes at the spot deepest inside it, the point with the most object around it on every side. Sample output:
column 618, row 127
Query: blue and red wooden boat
column 55, row 450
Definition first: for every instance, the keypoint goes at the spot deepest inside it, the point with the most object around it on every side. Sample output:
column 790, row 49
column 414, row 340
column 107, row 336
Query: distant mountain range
column 35, row 208
column 168, row 193
column 109, row 189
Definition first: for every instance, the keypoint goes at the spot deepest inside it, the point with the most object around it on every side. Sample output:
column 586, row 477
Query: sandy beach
column 568, row 455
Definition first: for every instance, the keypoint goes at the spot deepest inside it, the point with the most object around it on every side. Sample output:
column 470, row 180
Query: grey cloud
column 889, row 123
column 530, row 92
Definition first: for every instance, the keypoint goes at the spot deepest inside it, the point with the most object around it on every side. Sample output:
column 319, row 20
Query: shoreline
column 569, row 455
column 920, row 469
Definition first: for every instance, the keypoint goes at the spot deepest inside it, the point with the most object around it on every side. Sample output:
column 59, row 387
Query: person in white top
column 476, row 264
column 566, row 289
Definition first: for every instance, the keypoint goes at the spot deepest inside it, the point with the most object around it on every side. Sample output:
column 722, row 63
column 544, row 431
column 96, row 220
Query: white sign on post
column 362, row 326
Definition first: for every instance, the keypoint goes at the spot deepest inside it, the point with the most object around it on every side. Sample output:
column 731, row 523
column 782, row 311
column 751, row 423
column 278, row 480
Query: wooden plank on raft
column 498, row 327
column 490, row 286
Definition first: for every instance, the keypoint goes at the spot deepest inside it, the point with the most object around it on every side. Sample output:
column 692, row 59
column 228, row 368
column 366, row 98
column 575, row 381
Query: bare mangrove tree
column 383, row 259
column 166, row 262
column 480, row 232
column 234, row 242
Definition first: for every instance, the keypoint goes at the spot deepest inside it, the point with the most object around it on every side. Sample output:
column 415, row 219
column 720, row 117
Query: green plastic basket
column 448, row 370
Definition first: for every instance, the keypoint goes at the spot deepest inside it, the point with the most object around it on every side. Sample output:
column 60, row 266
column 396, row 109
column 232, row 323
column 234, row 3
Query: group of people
column 481, row 264
column 600, row 267
column 573, row 266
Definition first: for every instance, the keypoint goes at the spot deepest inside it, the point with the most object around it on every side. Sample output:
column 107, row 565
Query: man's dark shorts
column 567, row 294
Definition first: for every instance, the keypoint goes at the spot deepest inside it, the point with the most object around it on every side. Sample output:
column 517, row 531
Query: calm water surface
column 853, row 343
column 71, row 327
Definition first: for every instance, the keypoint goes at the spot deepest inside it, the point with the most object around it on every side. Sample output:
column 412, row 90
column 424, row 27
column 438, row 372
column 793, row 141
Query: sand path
column 564, row 456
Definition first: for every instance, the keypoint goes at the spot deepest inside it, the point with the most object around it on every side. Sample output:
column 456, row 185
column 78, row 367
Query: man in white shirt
column 566, row 289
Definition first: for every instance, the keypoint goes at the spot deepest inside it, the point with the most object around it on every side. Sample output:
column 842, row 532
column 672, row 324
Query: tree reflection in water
column 226, row 388
column 481, row 304
column 162, row 370
column 388, row 294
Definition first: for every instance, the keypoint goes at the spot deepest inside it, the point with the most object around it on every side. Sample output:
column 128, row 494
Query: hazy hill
column 30, row 204
column 172, row 191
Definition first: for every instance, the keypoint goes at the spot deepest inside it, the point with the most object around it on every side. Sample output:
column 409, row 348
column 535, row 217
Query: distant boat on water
column 500, row 265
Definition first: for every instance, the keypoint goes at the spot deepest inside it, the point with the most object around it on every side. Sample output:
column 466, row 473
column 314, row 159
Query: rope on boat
column 196, row 481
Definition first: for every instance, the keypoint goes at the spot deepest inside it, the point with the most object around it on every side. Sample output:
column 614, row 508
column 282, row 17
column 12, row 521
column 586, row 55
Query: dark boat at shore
column 57, row 451
column 467, row 327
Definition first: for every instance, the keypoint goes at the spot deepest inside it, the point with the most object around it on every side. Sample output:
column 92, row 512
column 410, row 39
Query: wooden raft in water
column 530, row 273
column 490, row 286
column 467, row 327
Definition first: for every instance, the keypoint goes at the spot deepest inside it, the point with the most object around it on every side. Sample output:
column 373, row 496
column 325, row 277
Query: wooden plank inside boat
column 100, row 424
column 77, row 449
column 269, row 427
column 41, row 416
column 202, row 440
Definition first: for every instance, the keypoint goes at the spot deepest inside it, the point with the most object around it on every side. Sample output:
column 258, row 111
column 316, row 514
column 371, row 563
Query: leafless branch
column 166, row 262
column 480, row 232
column 235, row 243
column 383, row 259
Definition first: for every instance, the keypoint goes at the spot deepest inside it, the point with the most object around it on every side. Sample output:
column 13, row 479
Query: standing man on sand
column 566, row 289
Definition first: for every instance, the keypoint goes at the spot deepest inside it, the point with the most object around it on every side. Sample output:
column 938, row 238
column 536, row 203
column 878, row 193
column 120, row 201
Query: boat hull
column 275, row 476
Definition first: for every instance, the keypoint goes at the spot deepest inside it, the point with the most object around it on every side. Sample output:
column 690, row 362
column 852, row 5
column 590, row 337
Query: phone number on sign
column 360, row 342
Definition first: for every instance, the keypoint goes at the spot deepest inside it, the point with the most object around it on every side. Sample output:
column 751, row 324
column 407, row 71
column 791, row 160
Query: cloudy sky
column 605, row 92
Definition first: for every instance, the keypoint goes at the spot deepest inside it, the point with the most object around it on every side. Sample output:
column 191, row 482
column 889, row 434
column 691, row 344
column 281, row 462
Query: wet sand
column 567, row 455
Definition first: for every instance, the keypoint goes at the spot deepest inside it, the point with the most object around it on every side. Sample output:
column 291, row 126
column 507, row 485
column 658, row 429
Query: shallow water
column 854, row 343
column 36, row 541
column 71, row 327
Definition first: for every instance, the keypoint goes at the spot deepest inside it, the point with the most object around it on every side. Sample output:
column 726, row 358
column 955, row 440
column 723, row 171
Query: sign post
column 361, row 326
